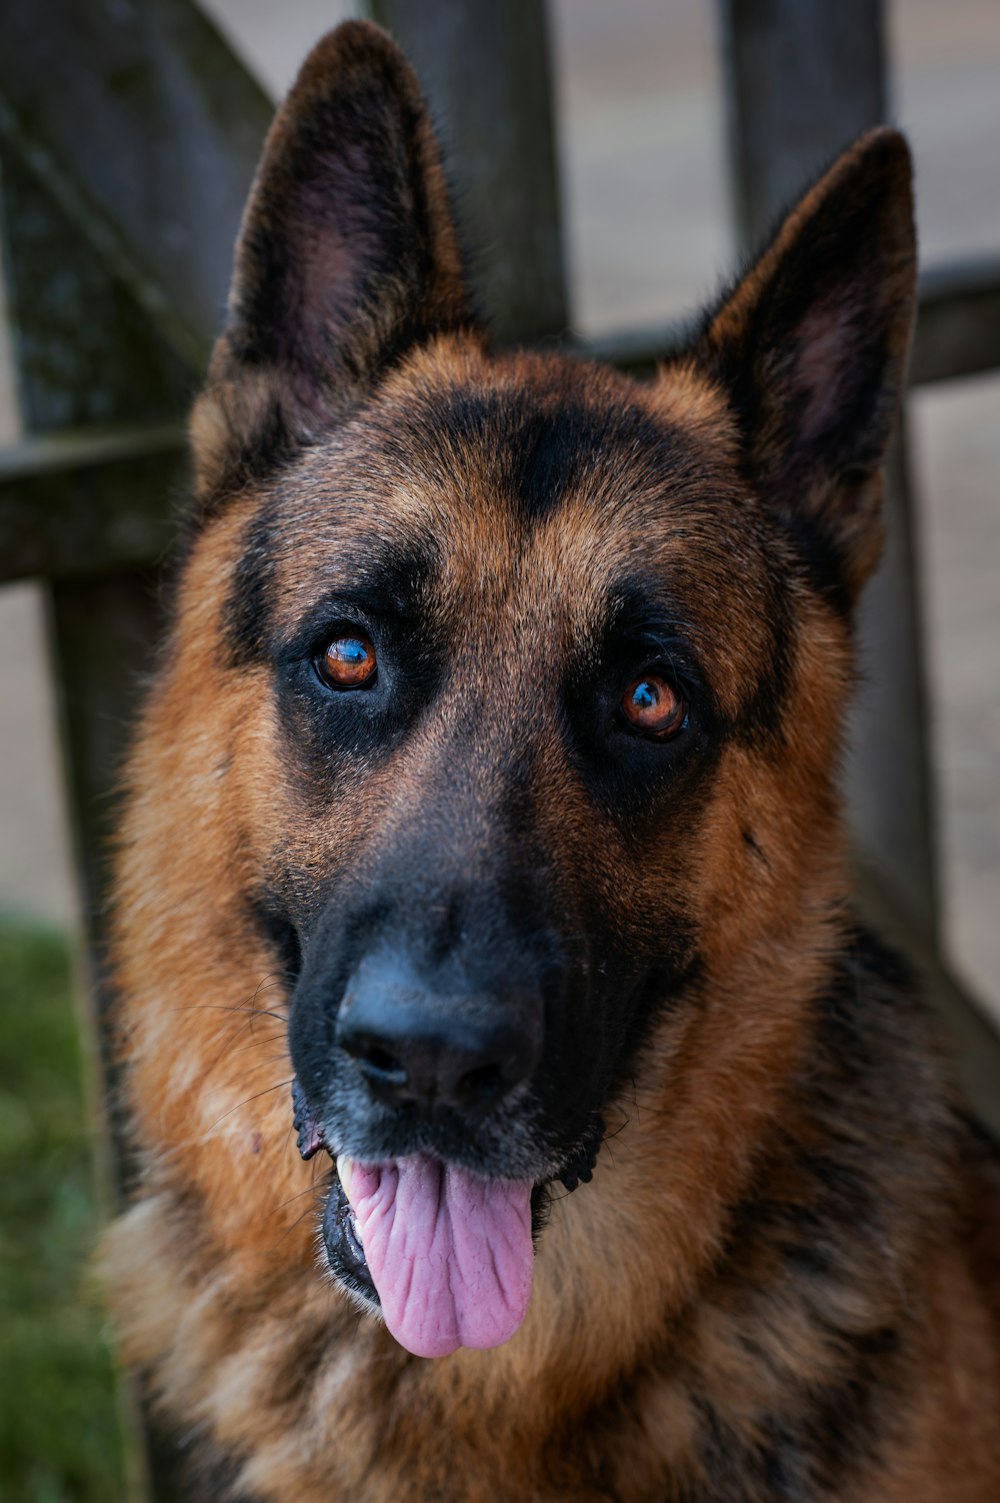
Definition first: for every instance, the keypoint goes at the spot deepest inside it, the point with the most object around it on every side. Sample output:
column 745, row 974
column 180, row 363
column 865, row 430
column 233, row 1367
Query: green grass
column 60, row 1434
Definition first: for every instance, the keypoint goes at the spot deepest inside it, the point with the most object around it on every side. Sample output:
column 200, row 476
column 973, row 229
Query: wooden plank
column 103, row 631
column 60, row 524
column 957, row 333
column 485, row 65
column 147, row 130
column 889, row 779
column 60, row 454
column 75, row 505
column 103, row 637
column 958, row 330
column 71, row 382
column 802, row 79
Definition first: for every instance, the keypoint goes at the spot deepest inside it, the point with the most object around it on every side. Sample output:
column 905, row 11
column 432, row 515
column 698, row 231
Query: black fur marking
column 248, row 607
column 580, row 1170
column 330, row 730
column 544, row 446
column 810, row 1448
column 823, row 561
column 554, row 450
column 761, row 720
column 385, row 594
column 272, row 919
column 647, row 630
column 752, row 844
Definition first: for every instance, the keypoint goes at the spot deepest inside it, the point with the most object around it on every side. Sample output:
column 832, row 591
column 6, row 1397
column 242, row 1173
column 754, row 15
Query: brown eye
column 653, row 706
column 348, row 662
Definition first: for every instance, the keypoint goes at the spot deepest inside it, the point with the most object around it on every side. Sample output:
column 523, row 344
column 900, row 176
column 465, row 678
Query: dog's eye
column 653, row 706
column 348, row 662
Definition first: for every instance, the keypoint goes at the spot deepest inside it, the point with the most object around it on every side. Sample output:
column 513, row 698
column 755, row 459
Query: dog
column 521, row 1110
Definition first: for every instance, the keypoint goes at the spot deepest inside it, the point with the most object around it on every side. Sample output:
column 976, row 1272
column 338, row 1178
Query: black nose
column 435, row 1052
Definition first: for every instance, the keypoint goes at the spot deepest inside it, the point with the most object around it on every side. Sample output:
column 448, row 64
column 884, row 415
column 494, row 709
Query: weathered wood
column 102, row 636
column 485, row 65
column 104, row 631
column 75, row 505
column 803, row 78
column 147, row 130
column 958, row 331
column 80, row 503
column 889, row 780
column 71, row 382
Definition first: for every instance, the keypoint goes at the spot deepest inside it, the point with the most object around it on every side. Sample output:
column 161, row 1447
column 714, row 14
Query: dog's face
column 542, row 673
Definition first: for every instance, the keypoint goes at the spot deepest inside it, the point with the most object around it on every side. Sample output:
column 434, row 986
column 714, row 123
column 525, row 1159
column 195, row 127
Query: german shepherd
column 483, row 847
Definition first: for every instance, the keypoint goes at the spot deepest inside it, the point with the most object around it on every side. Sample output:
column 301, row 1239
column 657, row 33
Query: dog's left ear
column 347, row 258
column 811, row 350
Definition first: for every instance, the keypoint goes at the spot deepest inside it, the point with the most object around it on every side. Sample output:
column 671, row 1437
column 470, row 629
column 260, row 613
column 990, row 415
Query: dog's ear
column 347, row 257
column 811, row 349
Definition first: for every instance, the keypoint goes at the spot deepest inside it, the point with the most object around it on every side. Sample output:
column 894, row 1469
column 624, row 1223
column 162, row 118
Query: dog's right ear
column 347, row 257
column 810, row 348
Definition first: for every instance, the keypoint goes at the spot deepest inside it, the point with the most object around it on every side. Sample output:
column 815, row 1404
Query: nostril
column 381, row 1060
column 375, row 1059
column 482, row 1081
column 480, row 1088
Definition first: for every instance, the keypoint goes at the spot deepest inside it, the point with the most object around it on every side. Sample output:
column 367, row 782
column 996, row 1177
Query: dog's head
column 535, row 676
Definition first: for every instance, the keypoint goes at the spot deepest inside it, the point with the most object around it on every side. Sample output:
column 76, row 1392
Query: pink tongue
column 450, row 1254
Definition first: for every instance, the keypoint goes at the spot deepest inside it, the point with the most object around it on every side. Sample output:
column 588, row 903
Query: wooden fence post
column 147, row 131
column 103, row 628
column 485, row 65
column 129, row 137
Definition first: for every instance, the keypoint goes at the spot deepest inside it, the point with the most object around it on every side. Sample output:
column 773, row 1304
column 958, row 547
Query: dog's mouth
column 446, row 1254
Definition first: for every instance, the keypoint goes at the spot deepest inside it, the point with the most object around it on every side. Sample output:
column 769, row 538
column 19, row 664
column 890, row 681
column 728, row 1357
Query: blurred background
column 640, row 127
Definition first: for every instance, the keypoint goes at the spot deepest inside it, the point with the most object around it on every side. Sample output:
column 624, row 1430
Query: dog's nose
column 415, row 1047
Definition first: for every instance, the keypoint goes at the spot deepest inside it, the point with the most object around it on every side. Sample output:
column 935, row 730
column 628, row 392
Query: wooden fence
column 128, row 136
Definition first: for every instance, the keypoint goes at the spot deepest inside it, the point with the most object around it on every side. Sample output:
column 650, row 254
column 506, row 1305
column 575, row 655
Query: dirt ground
column 641, row 147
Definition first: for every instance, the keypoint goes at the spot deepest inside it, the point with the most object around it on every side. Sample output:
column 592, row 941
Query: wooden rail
column 89, row 502
column 86, row 501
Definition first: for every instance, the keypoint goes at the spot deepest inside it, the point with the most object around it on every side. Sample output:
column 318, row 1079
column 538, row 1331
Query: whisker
column 256, row 1012
column 252, row 1011
column 272, row 1038
column 310, row 1189
column 255, row 1097
column 309, row 1211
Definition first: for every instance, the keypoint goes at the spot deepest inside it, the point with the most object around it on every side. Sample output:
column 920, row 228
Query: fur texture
column 780, row 1283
